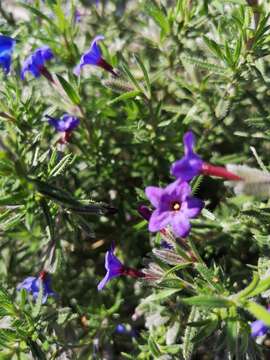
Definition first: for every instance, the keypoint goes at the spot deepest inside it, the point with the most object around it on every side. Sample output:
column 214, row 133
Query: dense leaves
column 168, row 66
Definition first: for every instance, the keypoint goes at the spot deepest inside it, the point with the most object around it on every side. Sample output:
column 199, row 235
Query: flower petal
column 192, row 207
column 258, row 328
column 154, row 194
column 159, row 220
column 187, row 168
column 91, row 57
column 180, row 225
column 189, row 142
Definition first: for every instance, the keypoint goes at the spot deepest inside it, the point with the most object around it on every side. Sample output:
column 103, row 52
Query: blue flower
column 66, row 123
column 191, row 164
column 93, row 56
column 258, row 328
column 6, row 47
column 32, row 285
column 113, row 266
column 35, row 62
column 122, row 329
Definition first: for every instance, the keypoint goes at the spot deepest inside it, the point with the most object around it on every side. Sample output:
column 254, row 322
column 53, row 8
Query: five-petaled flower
column 6, row 47
column 93, row 56
column 35, row 63
column 191, row 164
column 33, row 286
column 174, row 206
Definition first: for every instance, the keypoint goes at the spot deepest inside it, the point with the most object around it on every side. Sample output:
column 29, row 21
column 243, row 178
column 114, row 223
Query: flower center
column 176, row 206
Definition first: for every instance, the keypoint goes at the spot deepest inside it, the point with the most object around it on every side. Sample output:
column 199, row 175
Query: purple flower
column 35, row 62
column 93, row 56
column 122, row 329
column 191, row 164
column 113, row 266
column 258, row 328
column 66, row 123
column 175, row 206
column 77, row 16
column 32, row 285
column 6, row 47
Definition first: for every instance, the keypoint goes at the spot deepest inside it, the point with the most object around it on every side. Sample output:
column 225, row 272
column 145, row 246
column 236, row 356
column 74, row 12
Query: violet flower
column 66, row 123
column 6, row 48
column 174, row 205
column 32, row 285
column 93, row 56
column 191, row 164
column 258, row 328
column 35, row 63
column 113, row 266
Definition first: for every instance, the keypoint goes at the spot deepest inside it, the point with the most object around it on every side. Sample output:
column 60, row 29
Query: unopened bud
column 168, row 256
column 118, row 85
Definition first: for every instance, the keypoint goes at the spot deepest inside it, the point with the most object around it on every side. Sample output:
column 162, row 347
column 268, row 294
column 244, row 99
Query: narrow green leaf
column 214, row 47
column 208, row 301
column 125, row 96
column 249, row 289
column 161, row 295
column 205, row 331
column 69, row 90
column 39, row 14
column 145, row 73
column 153, row 347
column 258, row 311
column 61, row 165
column 262, row 286
column 189, row 334
column 159, row 17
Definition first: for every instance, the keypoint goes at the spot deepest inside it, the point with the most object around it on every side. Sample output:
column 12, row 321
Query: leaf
column 189, row 334
column 214, row 47
column 249, row 289
column 214, row 68
column 125, row 96
column 206, row 331
column 208, row 214
column 172, row 283
column 146, row 76
column 131, row 77
column 161, row 295
column 258, row 311
column 40, row 15
column 159, row 17
column 209, row 276
column 208, row 301
column 69, row 90
column 153, row 347
column 61, row 165
column 38, row 302
column 262, row 286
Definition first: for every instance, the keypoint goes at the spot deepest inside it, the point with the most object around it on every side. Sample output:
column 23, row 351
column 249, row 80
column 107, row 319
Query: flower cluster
column 174, row 205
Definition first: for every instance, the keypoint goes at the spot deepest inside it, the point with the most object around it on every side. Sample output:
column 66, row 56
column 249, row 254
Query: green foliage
column 181, row 65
